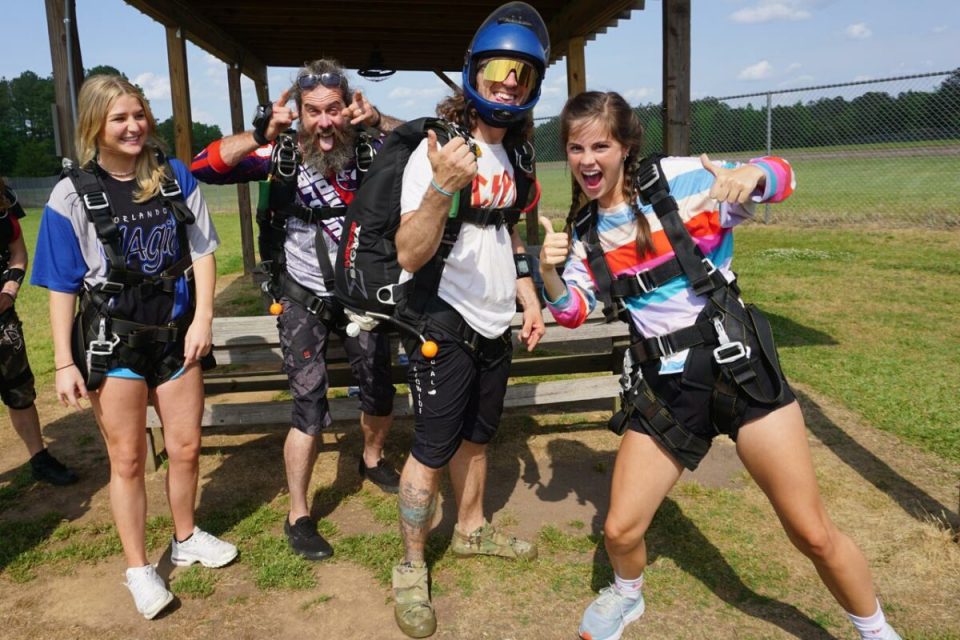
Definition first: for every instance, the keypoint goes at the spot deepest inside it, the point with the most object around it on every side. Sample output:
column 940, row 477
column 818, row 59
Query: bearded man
column 314, row 176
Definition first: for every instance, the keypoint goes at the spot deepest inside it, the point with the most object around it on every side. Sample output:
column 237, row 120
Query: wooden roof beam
column 206, row 35
column 582, row 20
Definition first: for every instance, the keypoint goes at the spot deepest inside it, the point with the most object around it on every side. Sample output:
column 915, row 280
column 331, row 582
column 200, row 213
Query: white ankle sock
column 629, row 588
column 874, row 627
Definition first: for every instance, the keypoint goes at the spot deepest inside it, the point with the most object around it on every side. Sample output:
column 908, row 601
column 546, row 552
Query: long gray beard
column 333, row 161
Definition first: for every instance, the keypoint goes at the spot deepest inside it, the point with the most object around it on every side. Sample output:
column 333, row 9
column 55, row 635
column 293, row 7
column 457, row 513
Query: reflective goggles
column 330, row 79
column 498, row 69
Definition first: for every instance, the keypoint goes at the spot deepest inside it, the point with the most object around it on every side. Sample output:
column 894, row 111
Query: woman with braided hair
column 652, row 240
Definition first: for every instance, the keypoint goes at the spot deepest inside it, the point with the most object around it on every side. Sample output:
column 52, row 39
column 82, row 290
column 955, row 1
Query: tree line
column 27, row 146
column 872, row 117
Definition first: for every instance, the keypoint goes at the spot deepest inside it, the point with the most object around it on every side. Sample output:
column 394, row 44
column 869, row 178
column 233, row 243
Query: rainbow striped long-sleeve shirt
column 673, row 305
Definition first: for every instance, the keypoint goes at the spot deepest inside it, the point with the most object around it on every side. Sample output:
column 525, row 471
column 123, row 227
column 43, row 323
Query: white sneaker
column 204, row 548
column 149, row 592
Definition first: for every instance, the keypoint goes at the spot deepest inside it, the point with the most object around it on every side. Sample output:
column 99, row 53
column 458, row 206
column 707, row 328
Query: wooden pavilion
column 410, row 35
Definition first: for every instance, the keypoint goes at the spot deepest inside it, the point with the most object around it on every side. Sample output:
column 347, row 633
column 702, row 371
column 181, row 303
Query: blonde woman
column 129, row 235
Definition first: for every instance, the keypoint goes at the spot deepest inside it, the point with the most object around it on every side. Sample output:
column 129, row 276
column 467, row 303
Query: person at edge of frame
column 17, row 389
column 701, row 362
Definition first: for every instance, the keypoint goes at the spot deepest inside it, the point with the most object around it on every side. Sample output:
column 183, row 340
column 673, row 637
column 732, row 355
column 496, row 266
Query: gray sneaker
column 606, row 616
column 412, row 608
column 149, row 592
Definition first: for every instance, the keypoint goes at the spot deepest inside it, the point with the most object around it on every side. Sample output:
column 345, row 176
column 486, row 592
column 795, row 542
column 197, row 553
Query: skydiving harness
column 103, row 341
column 280, row 203
column 7, row 216
column 732, row 343
column 418, row 305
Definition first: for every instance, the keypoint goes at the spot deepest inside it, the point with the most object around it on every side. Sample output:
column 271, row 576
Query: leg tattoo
column 417, row 507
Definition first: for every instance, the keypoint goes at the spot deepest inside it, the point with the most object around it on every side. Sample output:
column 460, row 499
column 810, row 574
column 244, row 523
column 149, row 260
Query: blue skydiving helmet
column 513, row 39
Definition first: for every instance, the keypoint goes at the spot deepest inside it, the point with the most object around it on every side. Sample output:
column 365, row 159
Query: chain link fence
column 884, row 152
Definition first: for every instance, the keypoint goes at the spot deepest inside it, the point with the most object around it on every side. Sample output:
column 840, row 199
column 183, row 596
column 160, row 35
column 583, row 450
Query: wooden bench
column 248, row 357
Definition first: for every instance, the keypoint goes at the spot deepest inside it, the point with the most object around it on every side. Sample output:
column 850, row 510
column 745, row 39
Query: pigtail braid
column 631, row 193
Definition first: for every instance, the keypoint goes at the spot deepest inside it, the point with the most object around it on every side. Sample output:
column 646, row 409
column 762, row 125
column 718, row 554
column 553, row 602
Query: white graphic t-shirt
column 479, row 278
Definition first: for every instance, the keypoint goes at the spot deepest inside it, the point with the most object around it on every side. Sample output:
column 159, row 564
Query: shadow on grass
column 789, row 333
column 911, row 498
column 30, row 511
column 672, row 534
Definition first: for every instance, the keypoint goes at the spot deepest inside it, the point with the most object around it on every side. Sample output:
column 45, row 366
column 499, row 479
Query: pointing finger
column 283, row 99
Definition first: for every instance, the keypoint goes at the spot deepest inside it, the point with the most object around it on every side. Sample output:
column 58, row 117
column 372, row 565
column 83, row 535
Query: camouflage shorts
column 16, row 379
column 303, row 340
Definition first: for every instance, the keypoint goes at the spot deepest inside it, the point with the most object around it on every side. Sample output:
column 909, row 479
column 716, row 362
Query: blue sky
column 738, row 46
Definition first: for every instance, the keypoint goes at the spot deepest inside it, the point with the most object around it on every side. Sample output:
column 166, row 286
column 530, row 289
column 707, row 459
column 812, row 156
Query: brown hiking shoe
column 412, row 608
column 487, row 541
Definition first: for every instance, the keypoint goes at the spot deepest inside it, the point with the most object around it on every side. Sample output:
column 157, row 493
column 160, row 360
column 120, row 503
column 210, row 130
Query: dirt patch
column 544, row 470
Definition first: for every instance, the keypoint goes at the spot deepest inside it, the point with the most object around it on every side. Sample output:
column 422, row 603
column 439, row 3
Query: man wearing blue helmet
column 458, row 392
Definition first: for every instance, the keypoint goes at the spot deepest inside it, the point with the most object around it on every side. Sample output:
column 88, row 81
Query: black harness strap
column 725, row 323
column 109, row 341
column 655, row 190
column 285, row 204
column 418, row 292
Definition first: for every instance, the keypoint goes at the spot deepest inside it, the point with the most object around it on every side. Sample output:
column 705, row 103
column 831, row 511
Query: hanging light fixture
column 376, row 70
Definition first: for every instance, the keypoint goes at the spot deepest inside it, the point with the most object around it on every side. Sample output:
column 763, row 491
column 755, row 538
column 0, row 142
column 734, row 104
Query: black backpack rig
column 733, row 347
column 101, row 340
column 278, row 203
column 367, row 271
column 7, row 214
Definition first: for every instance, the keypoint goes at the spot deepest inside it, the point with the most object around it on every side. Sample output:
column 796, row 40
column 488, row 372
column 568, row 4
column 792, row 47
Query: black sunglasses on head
column 330, row 79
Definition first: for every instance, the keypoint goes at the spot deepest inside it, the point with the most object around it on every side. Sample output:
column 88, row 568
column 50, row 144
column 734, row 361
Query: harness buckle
column 112, row 288
column 170, row 189
column 643, row 279
column 665, row 349
column 95, row 200
column 710, row 267
column 101, row 346
column 285, row 157
column 385, row 294
column 730, row 352
column 316, row 305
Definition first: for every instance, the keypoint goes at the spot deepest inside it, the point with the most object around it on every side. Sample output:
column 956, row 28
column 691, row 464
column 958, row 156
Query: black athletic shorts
column 457, row 395
column 688, row 398
column 16, row 379
column 303, row 341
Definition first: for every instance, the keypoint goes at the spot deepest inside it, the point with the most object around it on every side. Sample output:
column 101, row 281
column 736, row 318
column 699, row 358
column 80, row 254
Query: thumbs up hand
column 733, row 185
column 454, row 164
column 555, row 247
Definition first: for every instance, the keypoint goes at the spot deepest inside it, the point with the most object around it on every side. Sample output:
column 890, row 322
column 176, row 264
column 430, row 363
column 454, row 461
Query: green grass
column 901, row 191
column 195, row 583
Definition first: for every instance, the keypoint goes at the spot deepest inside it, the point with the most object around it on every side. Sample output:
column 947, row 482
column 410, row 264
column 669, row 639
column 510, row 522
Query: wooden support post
column 180, row 93
column 576, row 73
column 676, row 77
column 262, row 87
column 65, row 88
column 243, row 190
column 576, row 67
